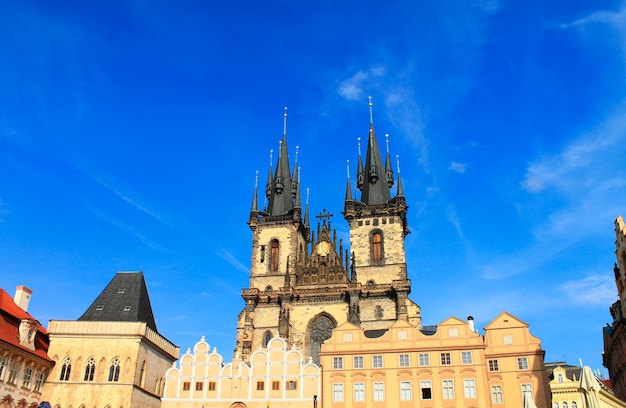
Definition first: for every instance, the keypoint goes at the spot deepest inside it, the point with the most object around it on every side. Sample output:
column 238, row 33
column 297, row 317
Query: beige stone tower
column 304, row 283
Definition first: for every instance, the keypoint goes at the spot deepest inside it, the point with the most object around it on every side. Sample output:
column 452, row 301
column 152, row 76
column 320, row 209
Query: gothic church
column 304, row 283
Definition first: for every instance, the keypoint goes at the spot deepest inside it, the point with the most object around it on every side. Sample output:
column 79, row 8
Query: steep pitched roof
column 10, row 317
column 124, row 299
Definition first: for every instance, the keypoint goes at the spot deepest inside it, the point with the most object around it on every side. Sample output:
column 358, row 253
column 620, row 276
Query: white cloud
column 594, row 290
column 230, row 258
column 352, row 88
column 458, row 167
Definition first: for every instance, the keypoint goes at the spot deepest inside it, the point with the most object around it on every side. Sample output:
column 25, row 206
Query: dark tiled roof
column 124, row 299
column 10, row 317
column 571, row 372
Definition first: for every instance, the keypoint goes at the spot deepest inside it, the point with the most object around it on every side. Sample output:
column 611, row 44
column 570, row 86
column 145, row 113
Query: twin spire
column 373, row 179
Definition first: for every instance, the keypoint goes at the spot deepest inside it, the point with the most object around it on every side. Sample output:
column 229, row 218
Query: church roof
column 124, row 299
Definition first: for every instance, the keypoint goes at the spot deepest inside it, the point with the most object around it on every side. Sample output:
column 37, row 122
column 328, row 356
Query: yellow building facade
column 450, row 366
column 567, row 392
column 276, row 376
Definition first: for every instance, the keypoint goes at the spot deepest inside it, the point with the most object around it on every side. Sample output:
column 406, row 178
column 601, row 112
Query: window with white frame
column 14, row 368
column 527, row 391
column 565, row 405
column 423, row 359
column 574, row 404
column 496, row 394
column 338, row 392
column 469, row 388
column 448, row 389
column 3, row 363
column 446, row 359
column 39, row 381
column 405, row 361
column 522, row 363
column 406, row 393
column 466, row 357
column 555, row 405
column 28, row 375
column 359, row 391
column 377, row 361
column 426, row 387
column 379, row 391
column 337, row 363
column 358, row 362
column 494, row 365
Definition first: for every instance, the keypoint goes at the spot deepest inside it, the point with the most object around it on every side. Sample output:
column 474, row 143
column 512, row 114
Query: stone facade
column 276, row 376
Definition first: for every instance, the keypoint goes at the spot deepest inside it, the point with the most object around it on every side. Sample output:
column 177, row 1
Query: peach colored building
column 277, row 376
column 450, row 366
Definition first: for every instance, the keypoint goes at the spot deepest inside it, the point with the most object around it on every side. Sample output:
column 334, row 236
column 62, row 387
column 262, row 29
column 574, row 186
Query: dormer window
column 100, row 307
column 127, row 308
column 122, row 290
column 27, row 332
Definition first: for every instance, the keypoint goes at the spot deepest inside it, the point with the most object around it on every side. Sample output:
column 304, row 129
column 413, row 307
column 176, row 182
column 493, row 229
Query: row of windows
column 565, row 405
column 13, row 372
column 260, row 385
column 423, row 359
column 90, row 369
column 426, row 391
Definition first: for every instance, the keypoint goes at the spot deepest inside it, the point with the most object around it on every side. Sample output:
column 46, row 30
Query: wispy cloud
column 458, row 167
column 230, row 258
column 352, row 88
column 594, row 290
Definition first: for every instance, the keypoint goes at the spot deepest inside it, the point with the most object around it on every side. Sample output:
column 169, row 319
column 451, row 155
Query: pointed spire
column 281, row 198
column 360, row 173
column 371, row 112
column 373, row 191
column 306, row 211
column 400, row 190
column 295, row 178
column 298, row 201
column 348, row 186
column 388, row 169
column 270, row 177
column 255, row 197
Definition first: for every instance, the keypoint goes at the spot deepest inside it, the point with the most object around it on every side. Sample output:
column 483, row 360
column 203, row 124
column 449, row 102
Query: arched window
column 319, row 329
column 574, row 404
column 555, row 405
column 90, row 369
column 65, row 369
column 267, row 336
column 142, row 374
column 377, row 246
column 274, row 256
column 114, row 370
column 565, row 405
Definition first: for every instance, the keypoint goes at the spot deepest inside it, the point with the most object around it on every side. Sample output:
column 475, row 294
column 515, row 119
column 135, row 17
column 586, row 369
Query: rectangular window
column 448, row 389
column 358, row 362
column 424, row 359
column 338, row 392
column 211, row 385
column 493, row 365
column 14, row 367
column 377, row 361
column 496, row 394
column 522, row 363
column 199, row 386
column 527, row 391
column 3, row 363
column 292, row 385
column 446, row 359
column 466, row 357
column 406, row 393
column 337, row 363
column 28, row 374
column 405, row 361
column 39, row 383
column 469, row 388
column 260, row 385
column 359, row 391
column 427, row 390
column 275, row 385
column 379, row 391
column 186, row 386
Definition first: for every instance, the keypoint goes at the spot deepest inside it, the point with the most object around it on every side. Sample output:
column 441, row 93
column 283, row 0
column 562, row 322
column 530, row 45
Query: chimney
column 22, row 297
column 470, row 321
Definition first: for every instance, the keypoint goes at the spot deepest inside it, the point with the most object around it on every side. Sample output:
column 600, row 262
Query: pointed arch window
column 66, row 368
column 114, row 370
column 267, row 336
column 377, row 246
column 90, row 369
column 274, row 255
column 142, row 375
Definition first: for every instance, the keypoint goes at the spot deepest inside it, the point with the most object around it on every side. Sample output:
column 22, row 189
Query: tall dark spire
column 306, row 211
column 360, row 172
column 400, row 190
column 281, row 197
column 388, row 169
column 375, row 188
column 255, row 197
column 348, row 186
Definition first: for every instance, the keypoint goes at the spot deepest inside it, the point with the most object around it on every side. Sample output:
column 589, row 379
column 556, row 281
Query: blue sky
column 130, row 134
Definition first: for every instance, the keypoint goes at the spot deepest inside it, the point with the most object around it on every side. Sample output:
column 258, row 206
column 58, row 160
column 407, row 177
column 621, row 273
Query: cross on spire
column 324, row 216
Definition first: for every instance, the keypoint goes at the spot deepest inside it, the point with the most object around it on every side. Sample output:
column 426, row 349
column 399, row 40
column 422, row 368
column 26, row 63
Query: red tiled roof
column 10, row 317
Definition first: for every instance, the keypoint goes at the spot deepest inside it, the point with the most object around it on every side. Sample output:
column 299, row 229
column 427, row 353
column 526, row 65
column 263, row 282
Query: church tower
column 304, row 283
